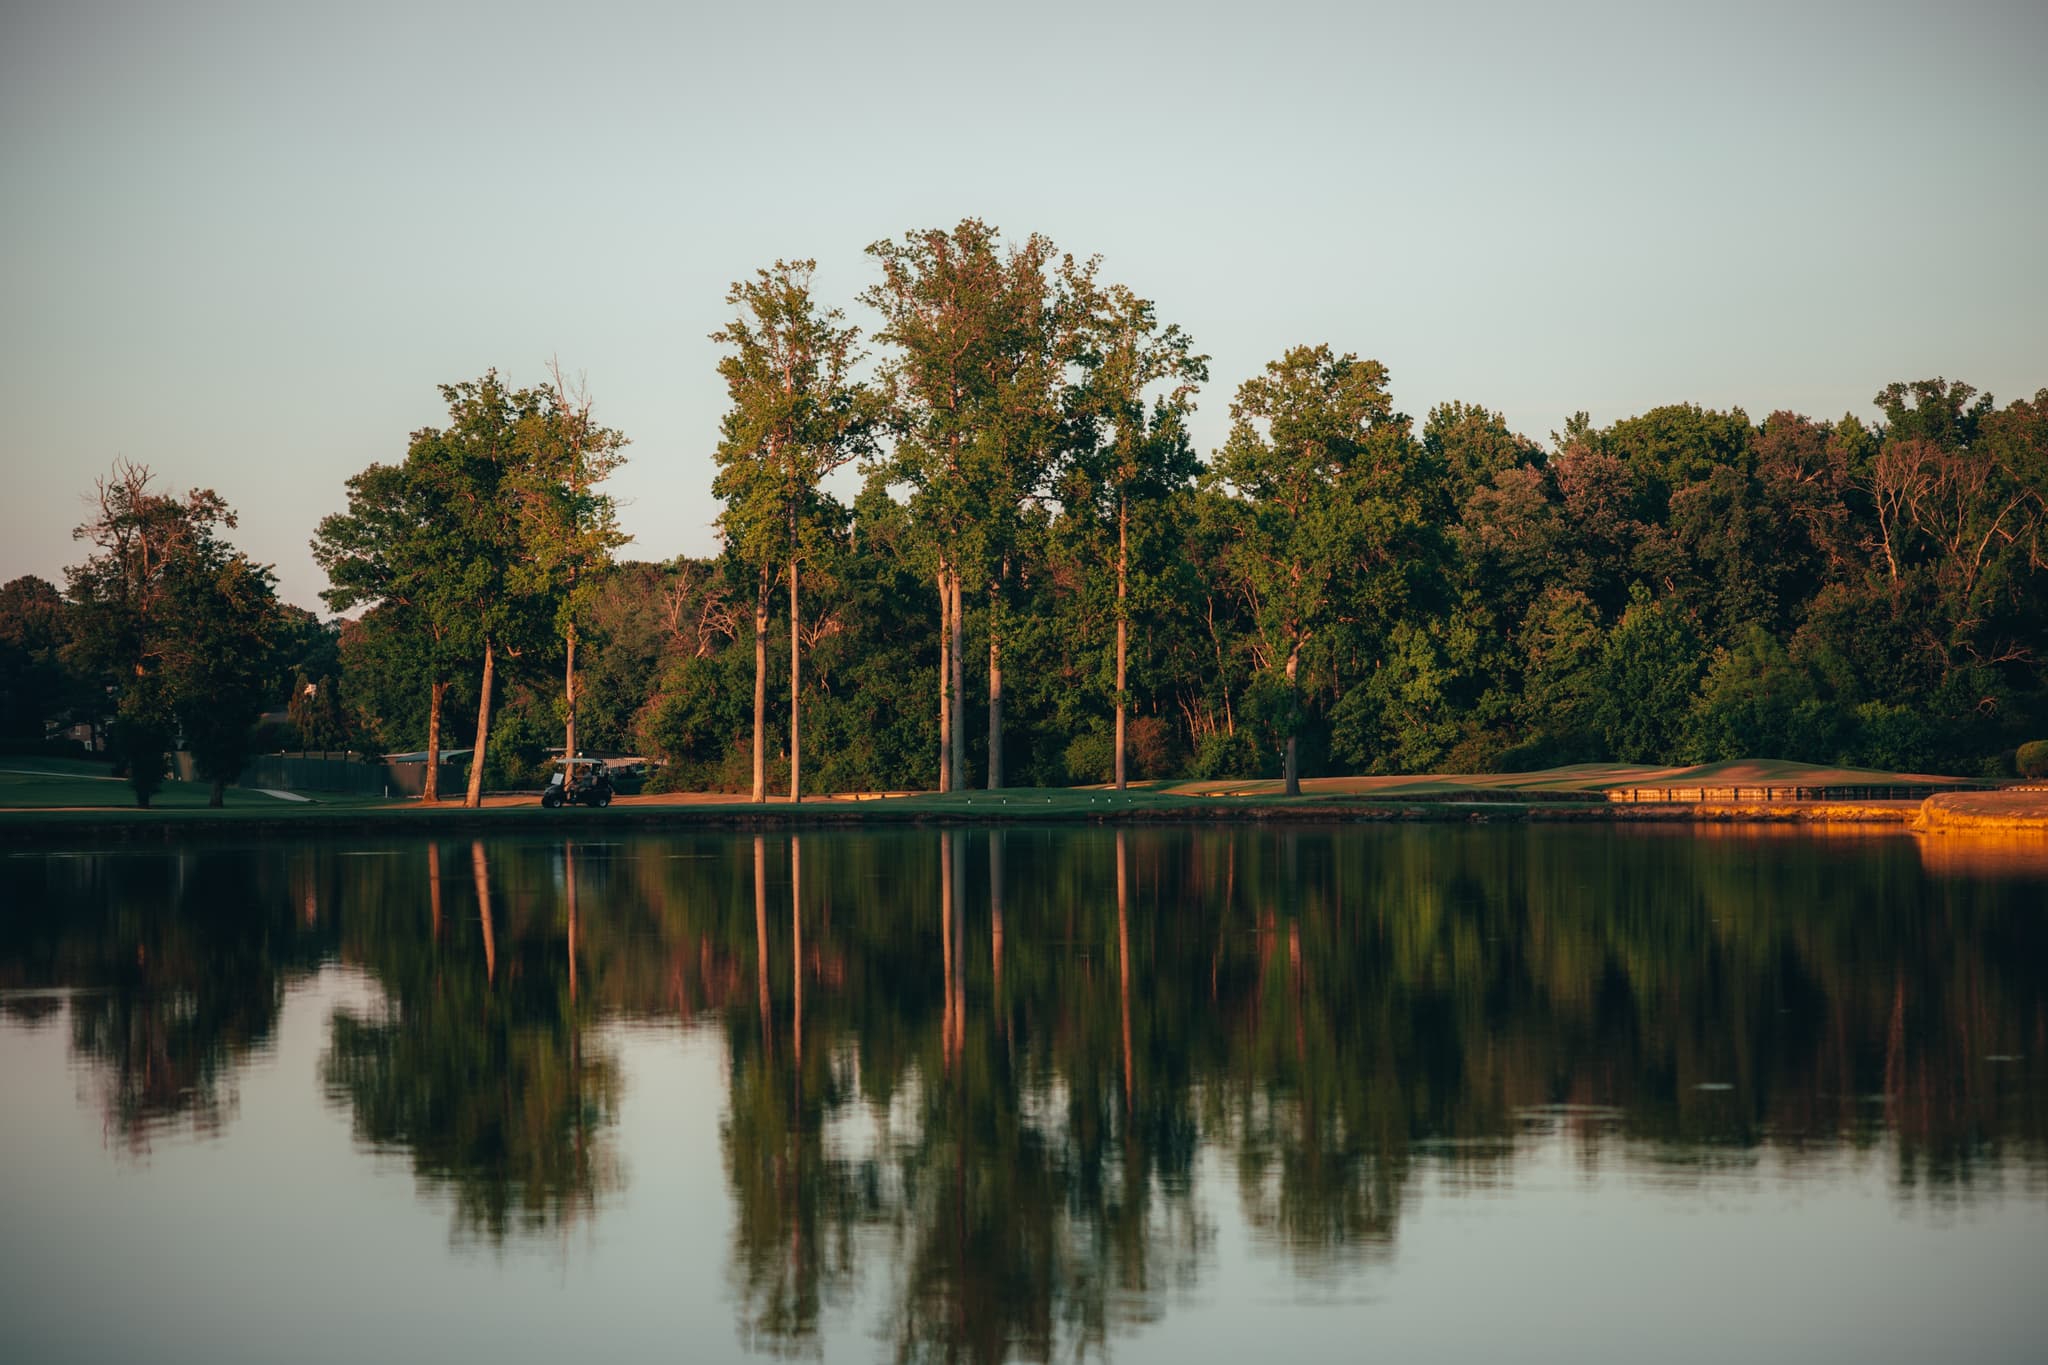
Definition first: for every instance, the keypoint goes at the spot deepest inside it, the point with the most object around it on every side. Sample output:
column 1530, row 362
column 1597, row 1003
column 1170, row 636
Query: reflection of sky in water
column 1731, row 1187
column 281, row 1238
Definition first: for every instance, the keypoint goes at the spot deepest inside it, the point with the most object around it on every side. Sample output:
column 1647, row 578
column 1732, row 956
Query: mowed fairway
column 1578, row 777
column 57, row 784
column 68, row 785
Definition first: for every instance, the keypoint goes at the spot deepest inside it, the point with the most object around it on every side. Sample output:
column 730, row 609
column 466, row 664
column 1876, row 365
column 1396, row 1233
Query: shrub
column 1549, row 751
column 1154, row 748
column 1477, row 751
column 667, row 777
column 1895, row 738
column 1091, row 758
column 2032, row 759
column 1222, row 755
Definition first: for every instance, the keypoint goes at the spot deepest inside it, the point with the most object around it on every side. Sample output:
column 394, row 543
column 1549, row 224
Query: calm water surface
column 1175, row 1094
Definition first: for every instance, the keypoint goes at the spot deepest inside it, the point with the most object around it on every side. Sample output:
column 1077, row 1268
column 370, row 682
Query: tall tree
column 570, row 528
column 1317, row 462
column 1133, row 451
column 797, row 415
column 450, row 536
column 225, row 633
column 179, row 625
column 488, row 592
column 973, row 383
column 386, row 552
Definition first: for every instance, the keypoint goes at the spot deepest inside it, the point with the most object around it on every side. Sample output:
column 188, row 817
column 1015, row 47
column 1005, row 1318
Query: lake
column 1168, row 1094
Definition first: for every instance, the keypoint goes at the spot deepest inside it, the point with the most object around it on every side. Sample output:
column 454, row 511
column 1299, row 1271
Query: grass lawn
column 56, row 784
column 70, row 794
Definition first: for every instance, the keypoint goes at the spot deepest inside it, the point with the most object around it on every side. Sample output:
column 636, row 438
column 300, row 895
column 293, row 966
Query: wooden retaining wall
column 1772, row 792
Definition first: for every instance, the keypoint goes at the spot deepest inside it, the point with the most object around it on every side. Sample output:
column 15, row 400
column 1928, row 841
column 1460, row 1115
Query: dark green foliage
column 36, row 689
column 140, row 742
column 1755, row 700
column 1222, row 754
column 700, row 720
column 219, row 671
column 1643, row 680
column 2032, row 758
column 181, row 632
column 1332, row 592
column 1895, row 738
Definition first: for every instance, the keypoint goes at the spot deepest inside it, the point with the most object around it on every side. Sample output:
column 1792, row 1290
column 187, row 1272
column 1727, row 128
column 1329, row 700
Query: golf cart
column 578, row 781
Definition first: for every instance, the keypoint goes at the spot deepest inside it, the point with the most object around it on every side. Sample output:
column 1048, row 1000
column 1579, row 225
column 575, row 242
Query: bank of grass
column 76, row 801
column 75, row 787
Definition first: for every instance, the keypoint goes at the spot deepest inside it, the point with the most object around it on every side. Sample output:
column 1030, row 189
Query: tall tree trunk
column 217, row 796
column 432, row 791
column 958, row 629
column 995, row 691
column 483, row 729
column 1293, row 770
column 945, row 684
column 569, row 696
column 796, row 783
column 761, row 689
column 1123, row 625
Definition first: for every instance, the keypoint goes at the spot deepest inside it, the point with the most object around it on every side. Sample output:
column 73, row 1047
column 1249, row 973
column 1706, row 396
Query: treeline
column 1040, row 581
column 165, row 636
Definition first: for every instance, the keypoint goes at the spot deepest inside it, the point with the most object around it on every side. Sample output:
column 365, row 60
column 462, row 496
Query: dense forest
column 1035, row 578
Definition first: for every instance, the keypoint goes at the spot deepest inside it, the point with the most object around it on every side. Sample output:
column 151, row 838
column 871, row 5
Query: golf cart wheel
column 551, row 798
column 604, row 798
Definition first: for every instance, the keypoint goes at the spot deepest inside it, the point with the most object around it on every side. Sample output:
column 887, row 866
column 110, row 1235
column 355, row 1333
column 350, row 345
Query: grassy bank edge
column 19, row 827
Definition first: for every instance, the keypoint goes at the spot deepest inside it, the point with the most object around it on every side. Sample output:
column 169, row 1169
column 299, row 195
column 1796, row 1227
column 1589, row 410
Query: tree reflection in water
column 177, row 966
column 476, row 1068
column 1024, row 1194
column 1330, row 1015
column 976, row 1077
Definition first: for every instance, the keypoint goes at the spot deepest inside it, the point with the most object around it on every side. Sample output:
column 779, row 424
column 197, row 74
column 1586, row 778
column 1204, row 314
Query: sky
column 244, row 243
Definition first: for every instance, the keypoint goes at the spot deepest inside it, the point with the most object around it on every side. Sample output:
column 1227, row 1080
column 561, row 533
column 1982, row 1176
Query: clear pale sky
column 242, row 243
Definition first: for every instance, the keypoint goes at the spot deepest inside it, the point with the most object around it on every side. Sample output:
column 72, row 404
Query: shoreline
column 29, row 826
column 2022, row 810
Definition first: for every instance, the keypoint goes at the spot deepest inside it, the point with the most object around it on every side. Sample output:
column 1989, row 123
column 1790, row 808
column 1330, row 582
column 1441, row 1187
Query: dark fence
column 297, row 773
column 279, row 772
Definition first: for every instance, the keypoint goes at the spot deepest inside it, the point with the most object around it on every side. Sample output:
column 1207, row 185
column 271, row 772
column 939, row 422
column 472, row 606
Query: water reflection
column 174, row 968
column 476, row 1067
column 980, row 1078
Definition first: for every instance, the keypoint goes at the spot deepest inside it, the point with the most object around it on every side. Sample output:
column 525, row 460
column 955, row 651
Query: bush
column 666, row 778
column 2032, row 759
column 1894, row 738
column 1154, row 748
column 1549, row 751
column 729, row 773
column 1091, row 758
column 1221, row 755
